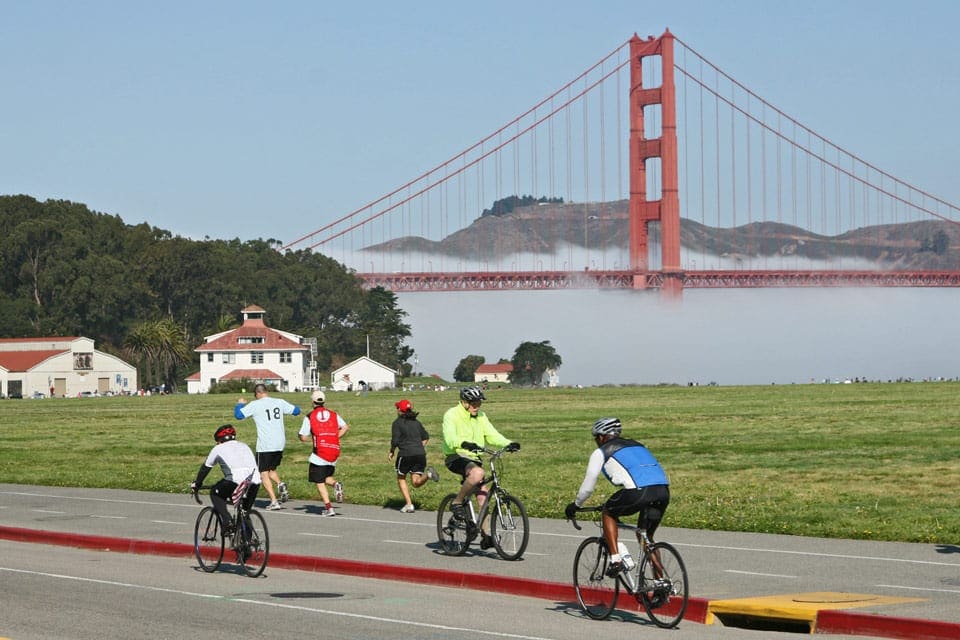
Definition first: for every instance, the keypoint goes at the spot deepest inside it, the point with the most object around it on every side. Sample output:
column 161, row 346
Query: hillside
column 545, row 228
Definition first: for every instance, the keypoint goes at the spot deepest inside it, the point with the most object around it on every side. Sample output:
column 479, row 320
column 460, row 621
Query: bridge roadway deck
column 379, row 542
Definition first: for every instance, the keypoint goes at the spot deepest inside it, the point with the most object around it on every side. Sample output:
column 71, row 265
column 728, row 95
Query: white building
column 493, row 373
column 257, row 352
column 63, row 367
column 372, row 373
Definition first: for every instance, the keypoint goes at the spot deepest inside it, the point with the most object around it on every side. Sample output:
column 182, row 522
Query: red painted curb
column 868, row 624
column 828, row 621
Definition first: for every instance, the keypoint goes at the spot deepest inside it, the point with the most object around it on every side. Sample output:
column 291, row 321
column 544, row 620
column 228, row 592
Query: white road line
column 754, row 573
column 277, row 605
column 179, row 524
column 319, row 535
column 60, row 513
column 419, row 544
column 896, row 586
column 110, row 517
column 819, row 555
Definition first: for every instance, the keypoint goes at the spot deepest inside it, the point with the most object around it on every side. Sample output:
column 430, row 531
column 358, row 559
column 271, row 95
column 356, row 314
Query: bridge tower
column 666, row 210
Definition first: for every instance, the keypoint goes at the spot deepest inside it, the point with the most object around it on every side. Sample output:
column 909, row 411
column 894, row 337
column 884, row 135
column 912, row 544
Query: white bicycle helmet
column 607, row 427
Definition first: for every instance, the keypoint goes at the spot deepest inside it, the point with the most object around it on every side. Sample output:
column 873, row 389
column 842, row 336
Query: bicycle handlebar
column 196, row 493
column 574, row 522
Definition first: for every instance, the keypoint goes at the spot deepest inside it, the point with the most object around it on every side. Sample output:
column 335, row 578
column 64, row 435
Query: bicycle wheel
column 255, row 545
column 509, row 527
column 664, row 592
column 596, row 592
column 207, row 541
column 451, row 531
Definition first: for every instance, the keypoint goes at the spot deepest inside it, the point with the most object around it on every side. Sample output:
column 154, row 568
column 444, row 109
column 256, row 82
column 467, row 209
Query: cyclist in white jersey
column 238, row 466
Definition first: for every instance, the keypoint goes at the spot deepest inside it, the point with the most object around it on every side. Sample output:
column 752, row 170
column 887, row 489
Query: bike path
column 889, row 590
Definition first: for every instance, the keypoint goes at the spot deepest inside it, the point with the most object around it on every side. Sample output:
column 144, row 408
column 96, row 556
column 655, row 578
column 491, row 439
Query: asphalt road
column 721, row 565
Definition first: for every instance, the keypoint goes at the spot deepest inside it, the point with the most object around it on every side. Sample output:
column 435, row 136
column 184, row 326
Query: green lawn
column 872, row 461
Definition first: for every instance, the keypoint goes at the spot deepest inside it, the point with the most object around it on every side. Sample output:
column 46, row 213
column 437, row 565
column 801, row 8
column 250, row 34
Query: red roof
column 271, row 339
column 495, row 368
column 22, row 361
column 253, row 374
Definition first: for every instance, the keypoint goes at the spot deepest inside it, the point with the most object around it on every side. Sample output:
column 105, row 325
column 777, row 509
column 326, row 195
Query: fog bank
column 728, row 336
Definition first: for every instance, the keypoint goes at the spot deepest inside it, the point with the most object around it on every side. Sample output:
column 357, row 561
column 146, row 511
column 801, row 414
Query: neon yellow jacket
column 459, row 427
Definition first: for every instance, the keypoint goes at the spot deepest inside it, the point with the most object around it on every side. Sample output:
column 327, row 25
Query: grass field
column 870, row 461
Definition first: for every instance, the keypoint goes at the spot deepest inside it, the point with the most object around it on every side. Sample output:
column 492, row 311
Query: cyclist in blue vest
column 644, row 487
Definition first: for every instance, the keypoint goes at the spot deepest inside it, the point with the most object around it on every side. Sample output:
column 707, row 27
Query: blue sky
column 243, row 119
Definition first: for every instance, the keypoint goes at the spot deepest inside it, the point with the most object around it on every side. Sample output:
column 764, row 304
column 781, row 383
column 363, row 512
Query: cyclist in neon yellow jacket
column 466, row 430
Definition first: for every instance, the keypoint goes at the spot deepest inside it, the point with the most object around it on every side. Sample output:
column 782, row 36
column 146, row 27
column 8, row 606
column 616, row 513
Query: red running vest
column 324, row 426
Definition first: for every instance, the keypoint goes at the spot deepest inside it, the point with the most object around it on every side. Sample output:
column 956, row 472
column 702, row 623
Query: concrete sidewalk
column 885, row 590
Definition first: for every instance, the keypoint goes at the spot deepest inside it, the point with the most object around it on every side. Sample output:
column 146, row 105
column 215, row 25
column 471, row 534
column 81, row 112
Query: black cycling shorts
column 650, row 502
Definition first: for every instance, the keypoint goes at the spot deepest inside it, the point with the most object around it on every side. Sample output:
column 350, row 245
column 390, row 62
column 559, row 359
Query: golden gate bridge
column 652, row 169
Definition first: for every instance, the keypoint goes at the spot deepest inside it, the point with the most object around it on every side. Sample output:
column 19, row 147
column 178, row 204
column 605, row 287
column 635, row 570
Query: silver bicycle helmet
column 607, row 427
column 472, row 394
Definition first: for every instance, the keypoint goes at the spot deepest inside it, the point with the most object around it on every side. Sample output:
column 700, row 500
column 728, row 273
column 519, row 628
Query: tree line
column 147, row 295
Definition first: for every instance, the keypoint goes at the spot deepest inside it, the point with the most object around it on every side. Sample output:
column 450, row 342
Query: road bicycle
column 509, row 525
column 250, row 539
column 658, row 582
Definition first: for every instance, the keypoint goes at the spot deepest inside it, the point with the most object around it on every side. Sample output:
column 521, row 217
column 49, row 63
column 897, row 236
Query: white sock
column 614, row 558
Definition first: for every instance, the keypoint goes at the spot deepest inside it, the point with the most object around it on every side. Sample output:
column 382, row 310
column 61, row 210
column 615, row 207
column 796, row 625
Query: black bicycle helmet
column 224, row 433
column 472, row 394
column 607, row 427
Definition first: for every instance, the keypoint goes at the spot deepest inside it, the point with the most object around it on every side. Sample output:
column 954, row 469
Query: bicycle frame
column 505, row 515
column 658, row 581
column 250, row 539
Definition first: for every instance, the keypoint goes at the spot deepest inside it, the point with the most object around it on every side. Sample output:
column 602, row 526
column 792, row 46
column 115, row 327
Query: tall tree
column 467, row 367
column 531, row 360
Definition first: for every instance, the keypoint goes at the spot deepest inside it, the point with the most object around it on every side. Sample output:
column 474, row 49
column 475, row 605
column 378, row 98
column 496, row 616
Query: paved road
column 721, row 565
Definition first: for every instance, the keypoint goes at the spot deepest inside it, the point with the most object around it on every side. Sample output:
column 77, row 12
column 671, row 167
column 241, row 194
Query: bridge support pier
column 666, row 210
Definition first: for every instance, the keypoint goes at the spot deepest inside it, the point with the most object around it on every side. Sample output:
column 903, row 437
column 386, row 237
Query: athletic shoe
column 284, row 494
column 614, row 569
column 229, row 530
column 338, row 491
column 486, row 541
column 432, row 474
column 328, row 513
column 274, row 506
column 407, row 508
column 458, row 511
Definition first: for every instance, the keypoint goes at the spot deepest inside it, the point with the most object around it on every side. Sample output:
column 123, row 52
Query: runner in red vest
column 324, row 428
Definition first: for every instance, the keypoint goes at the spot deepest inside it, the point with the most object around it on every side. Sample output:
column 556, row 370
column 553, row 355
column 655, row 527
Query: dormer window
column 250, row 340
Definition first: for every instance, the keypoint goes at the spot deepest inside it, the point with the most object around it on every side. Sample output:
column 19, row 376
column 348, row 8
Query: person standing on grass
column 268, row 415
column 409, row 436
column 324, row 428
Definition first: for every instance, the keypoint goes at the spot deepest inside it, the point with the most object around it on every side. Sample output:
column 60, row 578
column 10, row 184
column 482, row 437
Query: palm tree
column 160, row 346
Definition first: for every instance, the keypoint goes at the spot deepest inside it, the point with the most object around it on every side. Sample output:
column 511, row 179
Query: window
column 210, row 357
column 250, row 340
column 83, row 361
column 229, row 358
column 256, row 357
column 286, row 357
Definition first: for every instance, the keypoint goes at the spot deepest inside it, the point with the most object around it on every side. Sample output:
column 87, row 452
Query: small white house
column 363, row 370
column 256, row 352
column 61, row 367
column 493, row 373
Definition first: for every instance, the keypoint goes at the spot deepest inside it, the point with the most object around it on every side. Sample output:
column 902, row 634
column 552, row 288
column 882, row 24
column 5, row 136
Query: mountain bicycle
column 250, row 539
column 659, row 582
column 509, row 525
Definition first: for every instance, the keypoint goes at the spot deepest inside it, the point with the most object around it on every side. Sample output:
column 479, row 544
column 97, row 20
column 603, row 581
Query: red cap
column 404, row 406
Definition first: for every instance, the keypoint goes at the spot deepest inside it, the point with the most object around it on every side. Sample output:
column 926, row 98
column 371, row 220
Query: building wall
column 294, row 372
column 376, row 375
column 82, row 369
